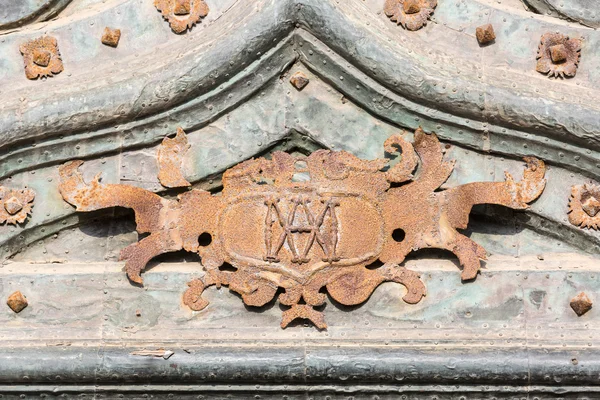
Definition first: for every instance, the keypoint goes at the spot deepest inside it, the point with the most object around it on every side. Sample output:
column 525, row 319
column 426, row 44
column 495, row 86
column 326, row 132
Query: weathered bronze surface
column 584, row 206
column 581, row 304
column 558, row 56
column 15, row 205
column 169, row 157
column 182, row 14
column 17, row 302
column 307, row 223
column 41, row 57
column 411, row 14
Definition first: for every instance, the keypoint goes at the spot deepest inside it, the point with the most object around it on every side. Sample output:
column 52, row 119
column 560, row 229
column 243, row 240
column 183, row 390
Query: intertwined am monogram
column 312, row 226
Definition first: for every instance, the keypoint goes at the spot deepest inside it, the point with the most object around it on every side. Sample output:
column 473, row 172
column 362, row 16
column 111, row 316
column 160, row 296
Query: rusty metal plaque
column 411, row 14
column 41, row 57
column 304, row 224
column 15, row 205
column 584, row 206
column 558, row 55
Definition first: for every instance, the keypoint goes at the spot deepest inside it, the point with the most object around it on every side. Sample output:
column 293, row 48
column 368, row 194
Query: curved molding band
column 477, row 98
column 581, row 11
column 20, row 13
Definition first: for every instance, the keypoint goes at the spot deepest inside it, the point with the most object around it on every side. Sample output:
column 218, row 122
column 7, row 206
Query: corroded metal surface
column 170, row 156
column 17, row 302
column 15, row 205
column 182, row 14
column 299, row 80
column 411, row 14
column 41, row 57
column 429, row 218
column 513, row 326
column 154, row 215
column 111, row 37
column 558, row 56
column 226, row 82
column 584, row 206
column 308, row 223
column 485, row 34
column 581, row 304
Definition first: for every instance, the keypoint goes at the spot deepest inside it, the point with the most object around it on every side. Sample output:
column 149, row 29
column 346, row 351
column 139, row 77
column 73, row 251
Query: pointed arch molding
column 235, row 51
column 27, row 12
column 403, row 78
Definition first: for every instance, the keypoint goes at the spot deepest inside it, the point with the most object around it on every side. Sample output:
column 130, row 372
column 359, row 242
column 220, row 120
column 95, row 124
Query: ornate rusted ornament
column 170, row 158
column 15, row 205
column 411, row 14
column 41, row 57
column 308, row 223
column 584, row 206
column 558, row 55
column 182, row 14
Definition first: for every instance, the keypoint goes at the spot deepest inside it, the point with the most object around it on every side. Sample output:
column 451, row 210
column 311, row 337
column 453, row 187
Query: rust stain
column 15, row 205
column 41, row 57
column 170, row 158
column 304, row 224
column 558, row 56
column 182, row 14
column 411, row 14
